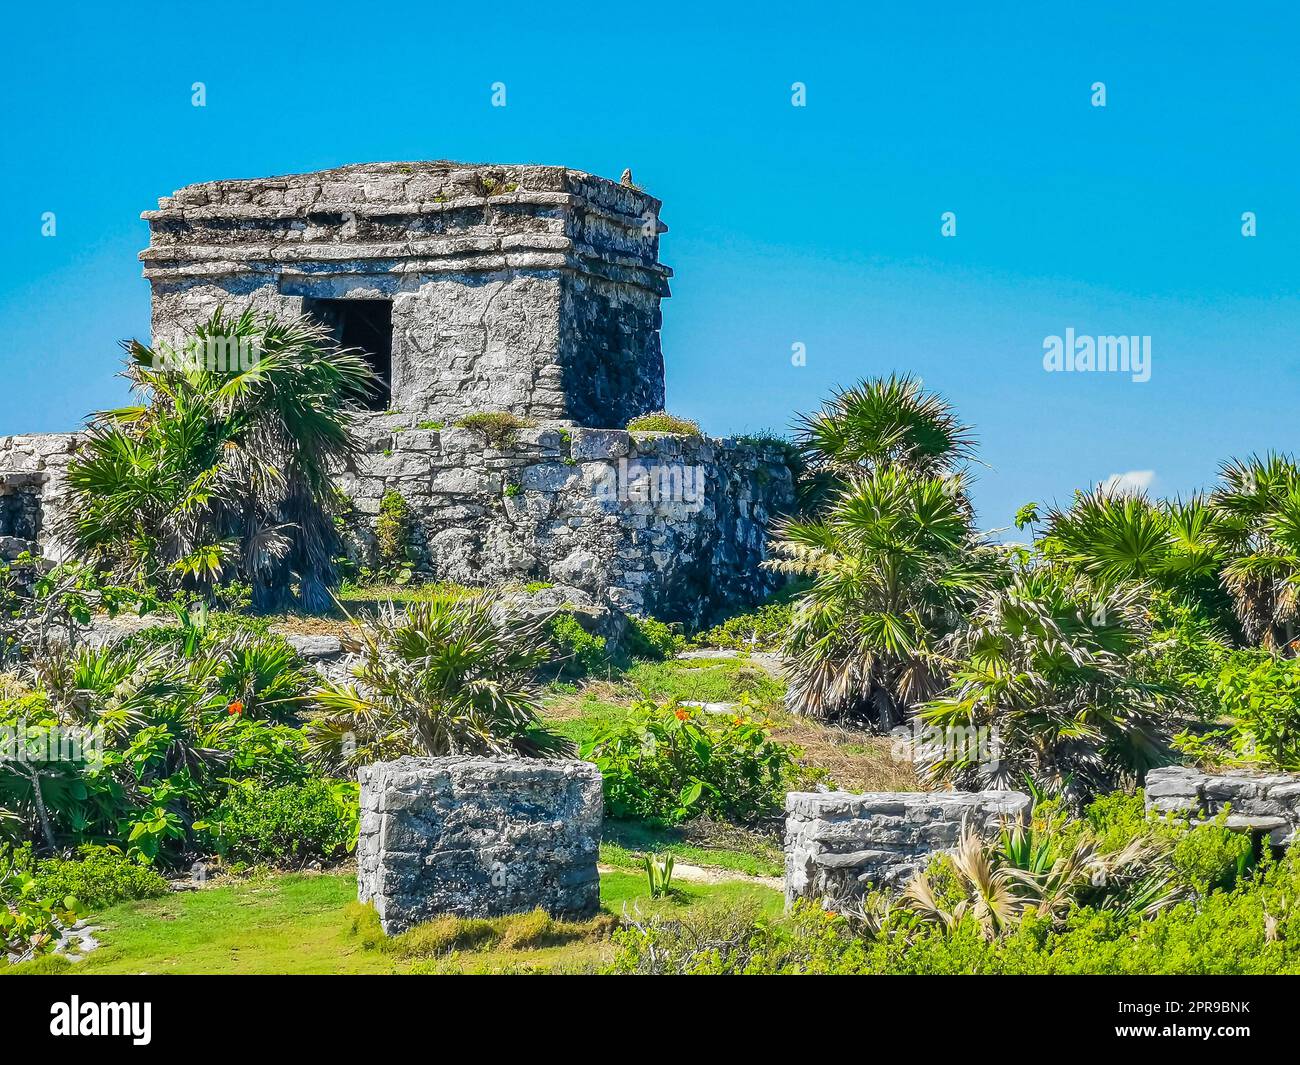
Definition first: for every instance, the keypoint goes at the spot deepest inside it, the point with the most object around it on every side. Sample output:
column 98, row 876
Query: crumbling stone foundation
column 478, row 837
column 838, row 844
column 1265, row 804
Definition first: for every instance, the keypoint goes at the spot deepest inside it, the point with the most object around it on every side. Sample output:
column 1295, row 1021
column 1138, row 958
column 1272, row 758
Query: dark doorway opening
column 364, row 324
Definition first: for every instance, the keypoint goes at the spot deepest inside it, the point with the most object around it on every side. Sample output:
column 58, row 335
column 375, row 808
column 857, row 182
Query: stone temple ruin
column 532, row 290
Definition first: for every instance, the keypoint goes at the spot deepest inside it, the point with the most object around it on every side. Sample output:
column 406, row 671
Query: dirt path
column 707, row 874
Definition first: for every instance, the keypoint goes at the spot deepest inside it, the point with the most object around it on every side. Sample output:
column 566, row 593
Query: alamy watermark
column 652, row 482
column 977, row 745
column 42, row 744
column 215, row 354
column 1081, row 353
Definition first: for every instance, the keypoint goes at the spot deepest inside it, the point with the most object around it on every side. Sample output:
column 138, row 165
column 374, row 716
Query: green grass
column 372, row 595
column 619, row 889
column 721, row 846
column 300, row 923
column 584, row 716
column 282, row 924
column 706, row 680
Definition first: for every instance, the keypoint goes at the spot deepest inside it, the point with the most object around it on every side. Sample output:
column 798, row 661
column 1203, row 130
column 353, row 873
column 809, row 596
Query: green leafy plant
column 659, row 874
column 670, row 764
column 651, row 639
column 580, row 653
column 29, row 918
column 762, row 629
column 393, row 535
column 285, row 825
column 98, row 877
column 223, row 473
column 1045, row 670
column 1258, row 693
column 893, row 566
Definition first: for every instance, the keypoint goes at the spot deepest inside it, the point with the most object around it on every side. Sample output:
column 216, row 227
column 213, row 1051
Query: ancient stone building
column 529, row 289
column 532, row 290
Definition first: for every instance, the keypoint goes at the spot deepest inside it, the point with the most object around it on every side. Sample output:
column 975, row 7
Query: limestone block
column 478, row 837
column 839, row 844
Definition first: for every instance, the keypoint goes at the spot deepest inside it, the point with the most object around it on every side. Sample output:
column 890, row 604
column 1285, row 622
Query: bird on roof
column 626, row 179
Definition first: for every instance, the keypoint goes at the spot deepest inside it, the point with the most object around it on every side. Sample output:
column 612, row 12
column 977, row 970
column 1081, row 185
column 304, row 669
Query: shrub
column 669, row 764
column 392, row 529
column 662, row 422
column 1049, row 667
column 29, row 917
column 218, row 477
column 762, row 629
column 1252, row 929
column 499, row 428
column 580, row 651
column 1260, row 693
column 285, row 825
column 651, row 638
column 450, row 675
column 98, row 877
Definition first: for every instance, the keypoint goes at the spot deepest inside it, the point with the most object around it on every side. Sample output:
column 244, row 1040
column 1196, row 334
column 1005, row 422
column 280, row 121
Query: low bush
column 1258, row 693
column 579, row 652
column 662, row 422
column 30, row 918
column 1111, row 892
column 669, row 764
column 761, row 629
column 97, row 877
column 651, row 639
column 499, row 428
column 286, row 825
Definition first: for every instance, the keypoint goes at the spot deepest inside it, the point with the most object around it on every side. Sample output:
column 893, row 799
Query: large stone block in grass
column 839, row 844
column 478, row 837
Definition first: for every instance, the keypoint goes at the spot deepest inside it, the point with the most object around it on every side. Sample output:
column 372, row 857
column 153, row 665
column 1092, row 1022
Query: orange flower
column 235, row 708
column 737, row 720
column 682, row 715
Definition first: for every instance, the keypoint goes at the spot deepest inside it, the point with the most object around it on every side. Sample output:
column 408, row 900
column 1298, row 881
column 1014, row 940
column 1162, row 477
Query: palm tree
column 1235, row 553
column 884, row 421
column 222, row 471
column 893, row 562
column 1045, row 667
column 454, row 675
column 1116, row 536
column 1258, row 501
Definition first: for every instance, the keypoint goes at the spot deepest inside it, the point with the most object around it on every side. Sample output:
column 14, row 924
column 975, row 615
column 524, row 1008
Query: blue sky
column 817, row 225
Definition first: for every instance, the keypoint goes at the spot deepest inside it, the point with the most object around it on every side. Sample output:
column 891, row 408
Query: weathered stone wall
column 657, row 524
column 34, row 491
column 478, row 837
column 529, row 289
column 1265, row 803
column 837, row 844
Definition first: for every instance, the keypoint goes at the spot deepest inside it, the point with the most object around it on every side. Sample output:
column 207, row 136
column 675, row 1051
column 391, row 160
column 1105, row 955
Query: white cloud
column 1131, row 482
